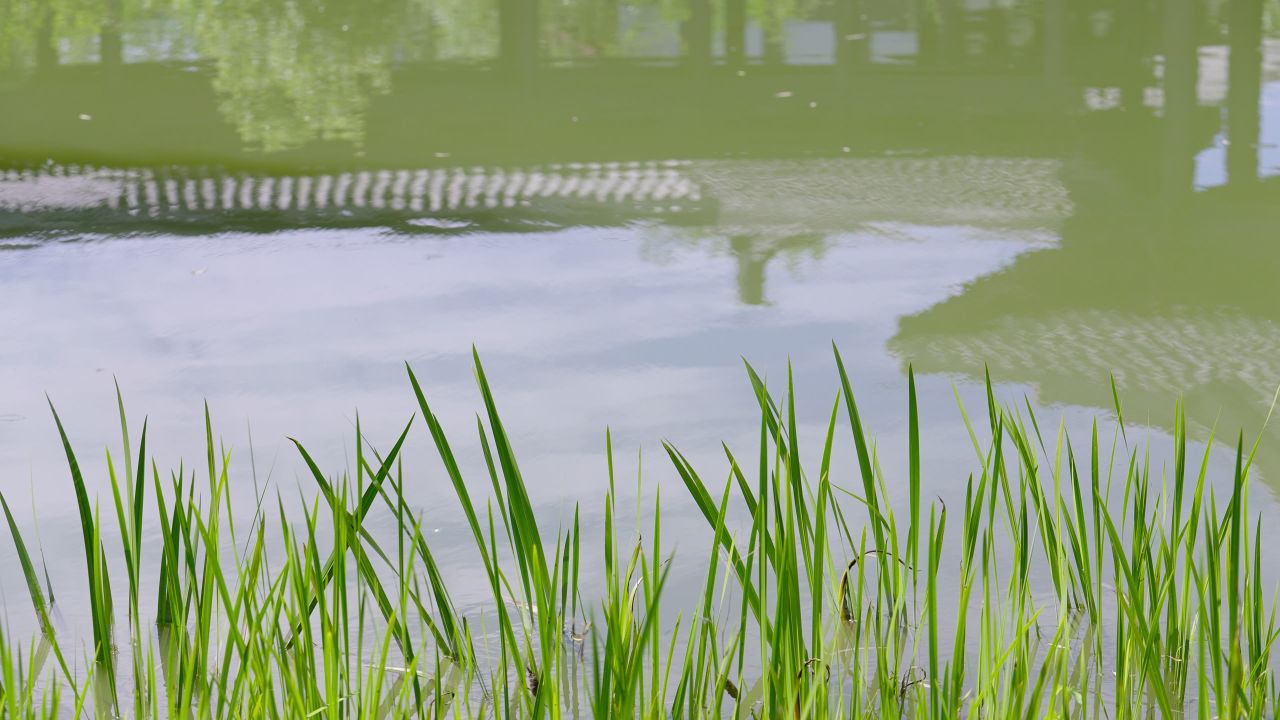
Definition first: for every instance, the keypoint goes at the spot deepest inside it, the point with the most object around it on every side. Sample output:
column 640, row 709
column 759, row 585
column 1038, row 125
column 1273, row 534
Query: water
column 272, row 206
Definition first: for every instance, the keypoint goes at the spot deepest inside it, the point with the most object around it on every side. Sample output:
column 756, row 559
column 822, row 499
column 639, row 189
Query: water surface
column 272, row 206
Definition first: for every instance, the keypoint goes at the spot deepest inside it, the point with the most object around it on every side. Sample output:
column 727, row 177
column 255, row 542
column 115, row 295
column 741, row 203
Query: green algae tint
column 272, row 205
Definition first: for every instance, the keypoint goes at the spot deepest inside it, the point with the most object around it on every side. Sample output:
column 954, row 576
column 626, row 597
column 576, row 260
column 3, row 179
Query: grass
column 1075, row 580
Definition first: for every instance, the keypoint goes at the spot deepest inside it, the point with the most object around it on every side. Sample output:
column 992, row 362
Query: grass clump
column 1088, row 582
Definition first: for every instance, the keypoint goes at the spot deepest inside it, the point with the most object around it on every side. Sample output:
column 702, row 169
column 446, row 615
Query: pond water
column 272, row 206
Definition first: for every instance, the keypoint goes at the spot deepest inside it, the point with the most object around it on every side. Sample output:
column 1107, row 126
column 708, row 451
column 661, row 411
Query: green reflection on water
column 286, row 74
column 1135, row 135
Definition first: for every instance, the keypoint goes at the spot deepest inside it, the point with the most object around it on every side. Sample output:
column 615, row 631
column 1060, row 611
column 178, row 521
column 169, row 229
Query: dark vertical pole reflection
column 699, row 34
column 775, row 41
column 1133, row 31
column 926, row 22
column 46, row 47
column 1244, row 92
column 110, row 39
column 735, row 31
column 954, row 32
column 853, row 37
column 1181, row 71
column 519, row 35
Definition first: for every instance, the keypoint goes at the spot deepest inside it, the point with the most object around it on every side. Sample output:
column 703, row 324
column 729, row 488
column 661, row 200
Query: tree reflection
column 1164, row 291
column 292, row 71
column 287, row 72
column 32, row 31
column 753, row 254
